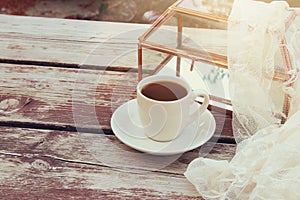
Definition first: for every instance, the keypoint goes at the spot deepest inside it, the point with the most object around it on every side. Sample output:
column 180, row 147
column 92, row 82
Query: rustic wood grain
column 65, row 41
column 42, row 178
column 71, row 99
column 55, row 96
column 65, row 164
column 72, row 43
column 61, row 80
column 100, row 149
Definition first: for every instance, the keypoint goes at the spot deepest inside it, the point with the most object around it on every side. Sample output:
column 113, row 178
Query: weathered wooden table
column 58, row 89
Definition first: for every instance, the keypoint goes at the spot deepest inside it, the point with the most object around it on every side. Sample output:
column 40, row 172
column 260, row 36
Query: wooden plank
column 65, row 29
column 73, row 42
column 55, row 96
column 70, row 99
column 68, row 42
column 85, row 147
column 62, row 164
column 42, row 178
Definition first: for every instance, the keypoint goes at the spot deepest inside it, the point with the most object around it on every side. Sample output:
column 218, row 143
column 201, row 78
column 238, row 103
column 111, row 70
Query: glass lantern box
column 191, row 34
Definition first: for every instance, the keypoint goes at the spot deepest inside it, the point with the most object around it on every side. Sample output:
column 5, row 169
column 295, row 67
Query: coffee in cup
column 164, row 91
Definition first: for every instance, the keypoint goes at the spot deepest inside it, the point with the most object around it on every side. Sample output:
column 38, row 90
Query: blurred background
column 135, row 11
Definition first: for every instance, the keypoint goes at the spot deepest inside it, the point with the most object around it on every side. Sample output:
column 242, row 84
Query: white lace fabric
column 267, row 161
column 266, row 166
column 255, row 32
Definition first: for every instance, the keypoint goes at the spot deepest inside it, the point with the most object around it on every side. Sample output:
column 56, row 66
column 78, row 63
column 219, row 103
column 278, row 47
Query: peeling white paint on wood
column 40, row 159
column 57, row 156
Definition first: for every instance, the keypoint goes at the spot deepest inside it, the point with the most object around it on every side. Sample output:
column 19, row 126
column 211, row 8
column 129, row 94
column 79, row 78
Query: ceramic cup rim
column 155, row 78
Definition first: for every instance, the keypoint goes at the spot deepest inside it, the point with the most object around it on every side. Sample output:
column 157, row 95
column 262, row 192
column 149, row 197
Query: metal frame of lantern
column 201, row 56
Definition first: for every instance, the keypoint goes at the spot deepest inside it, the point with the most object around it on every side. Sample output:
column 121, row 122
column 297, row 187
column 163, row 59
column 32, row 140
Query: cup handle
column 202, row 108
column 204, row 94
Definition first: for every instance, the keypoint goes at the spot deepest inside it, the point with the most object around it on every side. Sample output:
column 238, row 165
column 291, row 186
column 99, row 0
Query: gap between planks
column 70, row 65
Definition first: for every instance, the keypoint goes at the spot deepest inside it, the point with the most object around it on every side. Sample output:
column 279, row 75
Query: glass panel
column 154, row 61
column 166, row 34
column 200, row 37
column 204, row 35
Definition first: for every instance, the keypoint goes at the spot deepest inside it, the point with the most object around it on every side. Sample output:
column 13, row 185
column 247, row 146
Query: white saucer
column 194, row 135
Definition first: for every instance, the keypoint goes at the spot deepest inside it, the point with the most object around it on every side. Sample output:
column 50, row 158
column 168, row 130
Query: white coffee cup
column 164, row 119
